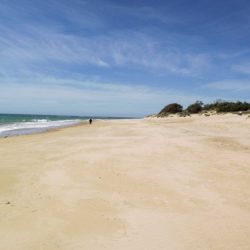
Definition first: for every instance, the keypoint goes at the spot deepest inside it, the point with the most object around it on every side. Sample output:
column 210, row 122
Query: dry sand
column 150, row 184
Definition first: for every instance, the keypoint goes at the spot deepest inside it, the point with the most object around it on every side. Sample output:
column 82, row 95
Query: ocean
column 16, row 124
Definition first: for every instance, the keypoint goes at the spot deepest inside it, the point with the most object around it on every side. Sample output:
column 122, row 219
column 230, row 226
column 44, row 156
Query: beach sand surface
column 143, row 184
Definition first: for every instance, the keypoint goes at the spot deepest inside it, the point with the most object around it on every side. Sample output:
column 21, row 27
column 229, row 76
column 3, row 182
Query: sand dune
column 149, row 184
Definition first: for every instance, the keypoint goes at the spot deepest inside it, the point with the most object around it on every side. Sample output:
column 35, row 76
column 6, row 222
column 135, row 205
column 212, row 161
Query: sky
column 121, row 58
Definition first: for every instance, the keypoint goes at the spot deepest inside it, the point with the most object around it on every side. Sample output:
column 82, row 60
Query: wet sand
column 146, row 184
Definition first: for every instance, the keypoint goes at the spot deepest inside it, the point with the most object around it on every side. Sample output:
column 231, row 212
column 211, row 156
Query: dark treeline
column 219, row 106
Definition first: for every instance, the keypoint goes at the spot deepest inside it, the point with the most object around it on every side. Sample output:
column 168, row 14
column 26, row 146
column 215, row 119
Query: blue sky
column 121, row 58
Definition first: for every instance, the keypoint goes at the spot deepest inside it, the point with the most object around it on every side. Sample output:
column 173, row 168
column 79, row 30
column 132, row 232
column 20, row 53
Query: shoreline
column 51, row 129
column 42, row 131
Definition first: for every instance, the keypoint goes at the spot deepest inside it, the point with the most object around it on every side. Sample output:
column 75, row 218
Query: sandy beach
column 143, row 184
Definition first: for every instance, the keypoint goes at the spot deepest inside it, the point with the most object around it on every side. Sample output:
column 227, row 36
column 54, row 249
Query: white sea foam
column 35, row 125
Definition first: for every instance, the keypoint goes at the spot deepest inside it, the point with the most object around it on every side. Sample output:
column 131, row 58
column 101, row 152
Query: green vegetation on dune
column 223, row 106
column 172, row 108
column 195, row 107
column 218, row 106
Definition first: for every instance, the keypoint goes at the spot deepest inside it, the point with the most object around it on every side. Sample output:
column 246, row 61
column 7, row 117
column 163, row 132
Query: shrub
column 233, row 107
column 172, row 108
column 195, row 107
column 218, row 106
column 223, row 106
column 213, row 106
column 184, row 113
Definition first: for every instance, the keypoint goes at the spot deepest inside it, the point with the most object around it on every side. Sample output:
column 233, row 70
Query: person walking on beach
column 90, row 121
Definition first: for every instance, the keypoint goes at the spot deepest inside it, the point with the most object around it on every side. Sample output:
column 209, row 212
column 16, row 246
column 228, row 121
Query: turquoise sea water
column 16, row 124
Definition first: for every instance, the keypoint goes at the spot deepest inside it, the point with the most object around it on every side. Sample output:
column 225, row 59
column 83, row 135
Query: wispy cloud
column 143, row 51
column 242, row 68
column 230, row 85
column 114, row 50
column 44, row 45
column 51, row 40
